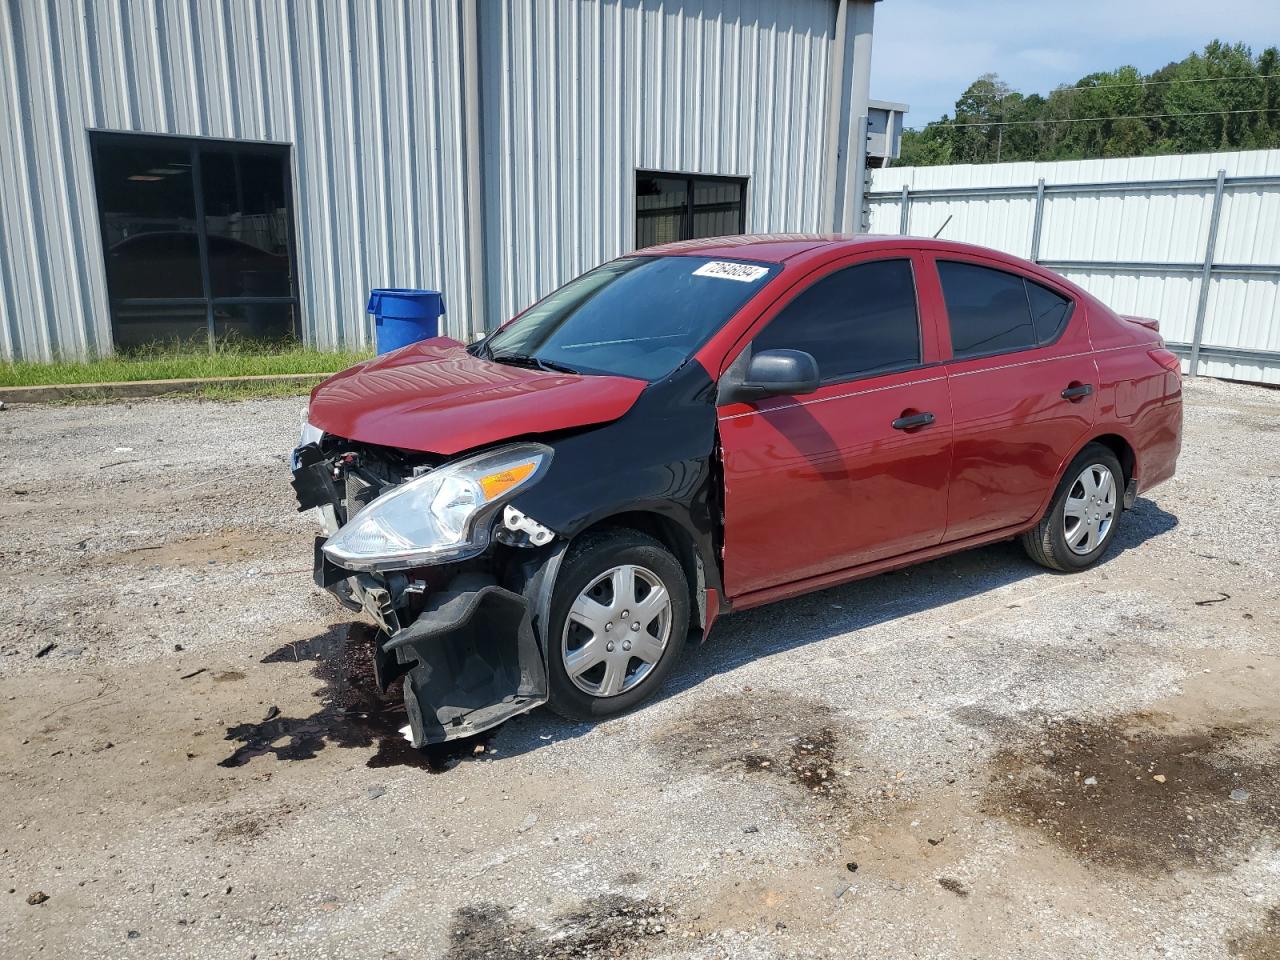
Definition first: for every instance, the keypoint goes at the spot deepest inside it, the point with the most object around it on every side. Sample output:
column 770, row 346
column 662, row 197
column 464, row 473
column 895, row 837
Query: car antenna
column 943, row 227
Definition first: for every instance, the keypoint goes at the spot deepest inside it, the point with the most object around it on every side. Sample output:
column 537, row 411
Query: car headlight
column 437, row 516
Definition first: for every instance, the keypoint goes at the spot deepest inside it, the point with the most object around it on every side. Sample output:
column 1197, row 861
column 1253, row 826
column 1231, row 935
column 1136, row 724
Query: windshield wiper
column 527, row 360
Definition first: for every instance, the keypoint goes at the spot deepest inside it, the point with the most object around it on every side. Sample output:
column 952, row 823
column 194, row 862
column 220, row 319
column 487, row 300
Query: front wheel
column 1081, row 520
column 619, row 617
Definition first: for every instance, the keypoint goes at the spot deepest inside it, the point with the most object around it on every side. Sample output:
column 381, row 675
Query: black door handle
column 1078, row 391
column 913, row 421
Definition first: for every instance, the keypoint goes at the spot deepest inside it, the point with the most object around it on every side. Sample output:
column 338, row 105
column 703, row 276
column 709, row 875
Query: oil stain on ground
column 763, row 733
column 353, row 712
column 610, row 926
column 1260, row 943
column 1127, row 793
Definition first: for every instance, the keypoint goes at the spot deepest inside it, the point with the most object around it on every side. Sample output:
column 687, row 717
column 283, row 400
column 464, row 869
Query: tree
column 1222, row 98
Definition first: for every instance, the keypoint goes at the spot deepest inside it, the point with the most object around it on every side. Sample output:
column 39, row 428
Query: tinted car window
column 987, row 308
column 635, row 317
column 1049, row 311
column 856, row 321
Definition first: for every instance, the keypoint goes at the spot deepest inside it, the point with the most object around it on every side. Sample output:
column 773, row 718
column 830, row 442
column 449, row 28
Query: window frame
column 809, row 282
column 194, row 146
column 949, row 257
column 686, row 218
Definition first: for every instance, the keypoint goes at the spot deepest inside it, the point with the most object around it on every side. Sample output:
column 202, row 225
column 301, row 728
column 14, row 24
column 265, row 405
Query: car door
column 1021, row 380
column 856, row 471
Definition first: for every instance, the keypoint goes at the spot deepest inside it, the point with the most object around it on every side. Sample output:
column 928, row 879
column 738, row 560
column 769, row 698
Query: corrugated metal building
column 1192, row 240
column 256, row 166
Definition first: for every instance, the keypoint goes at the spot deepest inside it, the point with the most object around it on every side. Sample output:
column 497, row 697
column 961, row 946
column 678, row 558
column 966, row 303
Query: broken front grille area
column 346, row 476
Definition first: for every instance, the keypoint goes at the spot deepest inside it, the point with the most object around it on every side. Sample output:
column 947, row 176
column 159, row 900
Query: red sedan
column 551, row 513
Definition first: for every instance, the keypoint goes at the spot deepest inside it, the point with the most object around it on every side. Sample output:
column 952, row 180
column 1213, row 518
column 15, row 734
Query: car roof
column 769, row 247
column 780, row 247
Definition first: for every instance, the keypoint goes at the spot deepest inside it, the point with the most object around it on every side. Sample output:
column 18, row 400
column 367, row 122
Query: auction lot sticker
column 726, row 270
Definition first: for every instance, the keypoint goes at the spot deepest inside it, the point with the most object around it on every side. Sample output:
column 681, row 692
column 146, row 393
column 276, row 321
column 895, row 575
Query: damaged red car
column 551, row 514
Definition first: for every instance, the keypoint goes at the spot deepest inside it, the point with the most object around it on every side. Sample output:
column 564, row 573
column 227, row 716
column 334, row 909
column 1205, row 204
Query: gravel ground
column 970, row 758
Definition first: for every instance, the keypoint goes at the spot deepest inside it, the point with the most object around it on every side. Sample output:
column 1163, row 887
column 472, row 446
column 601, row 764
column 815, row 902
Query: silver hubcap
column 616, row 631
column 1091, row 506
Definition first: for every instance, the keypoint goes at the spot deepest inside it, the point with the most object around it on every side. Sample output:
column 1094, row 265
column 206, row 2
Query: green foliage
column 1186, row 107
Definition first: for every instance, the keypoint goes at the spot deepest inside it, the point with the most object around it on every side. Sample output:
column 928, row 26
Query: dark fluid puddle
column 353, row 711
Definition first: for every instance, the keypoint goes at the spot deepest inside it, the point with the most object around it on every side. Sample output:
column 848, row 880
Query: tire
column 603, row 567
column 1066, row 541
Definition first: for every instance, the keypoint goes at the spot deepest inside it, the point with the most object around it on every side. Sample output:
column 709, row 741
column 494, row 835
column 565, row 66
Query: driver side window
column 856, row 322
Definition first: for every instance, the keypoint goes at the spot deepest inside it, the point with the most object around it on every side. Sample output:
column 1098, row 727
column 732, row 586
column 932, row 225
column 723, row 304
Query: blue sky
column 927, row 51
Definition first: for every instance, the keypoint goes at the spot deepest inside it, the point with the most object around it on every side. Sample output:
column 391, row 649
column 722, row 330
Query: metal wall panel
column 368, row 95
column 1163, row 224
column 588, row 92
column 575, row 96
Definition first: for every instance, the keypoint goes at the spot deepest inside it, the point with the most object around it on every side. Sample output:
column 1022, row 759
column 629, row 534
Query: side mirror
column 770, row 373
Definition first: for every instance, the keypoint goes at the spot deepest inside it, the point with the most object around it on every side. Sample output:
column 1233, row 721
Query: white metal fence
column 1193, row 241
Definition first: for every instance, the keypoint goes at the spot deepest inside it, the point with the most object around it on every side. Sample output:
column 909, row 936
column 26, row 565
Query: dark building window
column 197, row 239
column 677, row 206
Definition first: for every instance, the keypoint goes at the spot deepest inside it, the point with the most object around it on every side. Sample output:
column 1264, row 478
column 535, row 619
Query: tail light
column 1166, row 358
column 1172, row 364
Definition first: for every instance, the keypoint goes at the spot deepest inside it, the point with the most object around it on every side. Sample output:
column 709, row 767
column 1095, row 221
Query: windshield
column 637, row 317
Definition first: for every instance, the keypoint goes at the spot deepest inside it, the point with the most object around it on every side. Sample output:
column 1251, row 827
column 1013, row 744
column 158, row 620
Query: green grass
column 216, row 392
column 177, row 361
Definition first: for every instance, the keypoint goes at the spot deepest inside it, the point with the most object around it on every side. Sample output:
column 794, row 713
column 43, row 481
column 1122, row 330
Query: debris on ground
column 1218, row 599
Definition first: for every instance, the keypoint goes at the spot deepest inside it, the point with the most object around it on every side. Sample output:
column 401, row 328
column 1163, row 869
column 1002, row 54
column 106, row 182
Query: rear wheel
column 1081, row 519
column 619, row 616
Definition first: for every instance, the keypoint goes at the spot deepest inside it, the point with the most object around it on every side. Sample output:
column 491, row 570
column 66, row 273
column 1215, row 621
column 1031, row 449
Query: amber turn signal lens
column 496, row 484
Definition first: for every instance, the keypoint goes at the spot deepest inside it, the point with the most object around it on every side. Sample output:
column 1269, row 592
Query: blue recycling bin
column 403, row 316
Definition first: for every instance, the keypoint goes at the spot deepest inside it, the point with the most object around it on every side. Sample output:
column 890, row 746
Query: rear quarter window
column 1049, row 311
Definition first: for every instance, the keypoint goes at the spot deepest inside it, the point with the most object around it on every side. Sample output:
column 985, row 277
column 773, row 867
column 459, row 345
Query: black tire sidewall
column 1094, row 453
column 585, row 562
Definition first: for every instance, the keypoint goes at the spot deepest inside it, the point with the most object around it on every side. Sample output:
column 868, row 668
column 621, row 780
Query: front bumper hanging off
column 470, row 661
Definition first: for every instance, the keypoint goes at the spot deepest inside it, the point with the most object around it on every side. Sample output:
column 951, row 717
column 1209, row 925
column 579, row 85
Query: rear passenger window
column 856, row 321
column 996, row 312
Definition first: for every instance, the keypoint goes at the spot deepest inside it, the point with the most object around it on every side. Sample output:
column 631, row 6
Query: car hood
column 435, row 397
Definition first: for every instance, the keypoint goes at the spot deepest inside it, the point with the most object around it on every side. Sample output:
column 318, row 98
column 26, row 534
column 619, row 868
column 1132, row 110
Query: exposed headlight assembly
column 439, row 516
column 310, row 432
